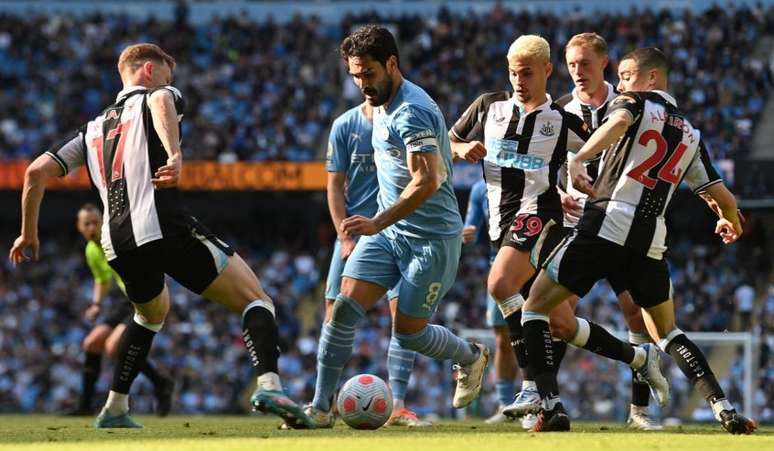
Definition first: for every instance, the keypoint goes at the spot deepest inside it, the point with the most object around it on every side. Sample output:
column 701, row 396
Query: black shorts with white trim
column 583, row 259
column 194, row 260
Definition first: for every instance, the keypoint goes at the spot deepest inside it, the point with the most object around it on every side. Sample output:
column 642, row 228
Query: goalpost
column 747, row 340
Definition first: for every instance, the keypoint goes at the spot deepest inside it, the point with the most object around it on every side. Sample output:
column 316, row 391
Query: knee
column 502, row 339
column 563, row 328
column 93, row 345
column 346, row 311
column 501, row 288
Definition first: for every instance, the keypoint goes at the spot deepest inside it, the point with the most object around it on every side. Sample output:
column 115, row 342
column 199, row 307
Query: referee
column 133, row 157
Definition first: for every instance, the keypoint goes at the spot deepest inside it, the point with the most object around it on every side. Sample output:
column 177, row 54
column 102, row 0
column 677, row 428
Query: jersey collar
column 668, row 97
column 130, row 89
column 611, row 94
column 522, row 108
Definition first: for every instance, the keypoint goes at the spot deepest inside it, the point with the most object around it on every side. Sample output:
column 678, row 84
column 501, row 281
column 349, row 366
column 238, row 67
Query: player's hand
column 472, row 151
column 571, row 206
column 17, row 254
column 359, row 225
column 728, row 230
column 469, row 234
column 347, row 246
column 92, row 312
column 168, row 175
column 580, row 178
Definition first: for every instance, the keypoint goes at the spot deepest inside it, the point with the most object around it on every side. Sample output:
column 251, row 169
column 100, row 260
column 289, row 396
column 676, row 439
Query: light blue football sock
column 335, row 349
column 400, row 362
column 439, row 343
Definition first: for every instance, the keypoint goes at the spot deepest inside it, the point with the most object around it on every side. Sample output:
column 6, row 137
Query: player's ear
column 147, row 69
column 549, row 69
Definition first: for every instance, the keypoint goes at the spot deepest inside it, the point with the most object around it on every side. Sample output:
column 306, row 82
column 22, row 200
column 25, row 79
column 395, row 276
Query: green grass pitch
column 230, row 433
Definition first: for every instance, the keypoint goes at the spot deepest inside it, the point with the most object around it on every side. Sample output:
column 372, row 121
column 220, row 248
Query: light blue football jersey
column 414, row 123
column 350, row 151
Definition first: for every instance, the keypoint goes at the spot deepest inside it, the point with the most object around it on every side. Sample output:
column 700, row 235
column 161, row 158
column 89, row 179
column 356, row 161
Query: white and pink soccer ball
column 365, row 402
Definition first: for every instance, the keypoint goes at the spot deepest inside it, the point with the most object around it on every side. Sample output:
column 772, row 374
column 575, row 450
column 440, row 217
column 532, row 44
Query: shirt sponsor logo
column 503, row 153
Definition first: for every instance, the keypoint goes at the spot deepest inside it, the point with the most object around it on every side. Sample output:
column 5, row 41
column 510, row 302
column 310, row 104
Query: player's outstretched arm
column 166, row 124
column 610, row 132
column 427, row 175
column 35, row 179
column 337, row 206
column 471, row 152
column 729, row 226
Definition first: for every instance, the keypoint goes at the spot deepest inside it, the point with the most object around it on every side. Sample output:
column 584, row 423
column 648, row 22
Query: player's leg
column 207, row 266
column 333, row 282
column 504, row 360
column 163, row 386
column 146, row 289
column 368, row 271
column 93, row 347
column 428, row 269
column 400, row 363
column 650, row 292
column 639, row 415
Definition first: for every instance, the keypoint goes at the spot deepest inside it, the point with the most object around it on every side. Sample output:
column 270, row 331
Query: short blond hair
column 591, row 40
column 136, row 54
column 531, row 47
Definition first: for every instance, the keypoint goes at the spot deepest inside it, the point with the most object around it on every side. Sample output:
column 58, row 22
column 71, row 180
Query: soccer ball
column 365, row 402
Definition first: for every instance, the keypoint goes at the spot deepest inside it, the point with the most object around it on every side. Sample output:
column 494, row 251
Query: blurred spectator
column 274, row 98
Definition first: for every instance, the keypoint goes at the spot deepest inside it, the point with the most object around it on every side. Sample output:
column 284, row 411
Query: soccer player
column 504, row 360
column 526, row 137
column 352, row 190
column 415, row 239
column 133, row 157
column 622, row 232
column 104, row 337
column 586, row 57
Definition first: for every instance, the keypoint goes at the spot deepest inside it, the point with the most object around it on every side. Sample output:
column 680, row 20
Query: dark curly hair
column 372, row 40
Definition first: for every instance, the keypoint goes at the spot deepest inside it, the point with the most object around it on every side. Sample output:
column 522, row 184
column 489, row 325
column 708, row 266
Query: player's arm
column 167, row 125
column 425, row 165
column 624, row 110
column 337, row 206
column 705, row 181
column 474, row 217
column 427, row 175
column 58, row 161
column 103, row 280
column 467, row 133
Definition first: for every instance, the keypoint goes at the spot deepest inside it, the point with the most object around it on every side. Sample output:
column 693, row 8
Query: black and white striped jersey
column 524, row 154
column 121, row 151
column 639, row 174
column 592, row 117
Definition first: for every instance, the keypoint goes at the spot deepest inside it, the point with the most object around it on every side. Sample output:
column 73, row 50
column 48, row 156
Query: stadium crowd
column 43, row 326
column 274, row 98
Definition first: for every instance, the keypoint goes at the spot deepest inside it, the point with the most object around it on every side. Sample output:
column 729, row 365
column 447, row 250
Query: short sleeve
column 470, row 127
column 476, row 205
column 98, row 264
column 417, row 129
column 631, row 103
column 176, row 94
column 70, row 153
column 337, row 157
column 577, row 132
column 701, row 174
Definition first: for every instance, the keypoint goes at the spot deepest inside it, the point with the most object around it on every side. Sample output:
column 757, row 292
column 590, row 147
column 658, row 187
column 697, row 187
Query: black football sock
column 152, row 374
column 597, row 339
column 91, row 368
column 540, row 352
column 261, row 335
column 131, row 355
column 517, row 343
column 560, row 348
column 694, row 365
